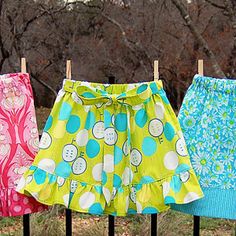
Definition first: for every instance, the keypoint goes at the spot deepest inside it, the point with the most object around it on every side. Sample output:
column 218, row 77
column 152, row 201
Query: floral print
column 18, row 142
column 208, row 120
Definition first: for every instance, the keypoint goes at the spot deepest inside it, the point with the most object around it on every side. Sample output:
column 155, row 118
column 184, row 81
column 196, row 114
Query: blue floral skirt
column 208, row 120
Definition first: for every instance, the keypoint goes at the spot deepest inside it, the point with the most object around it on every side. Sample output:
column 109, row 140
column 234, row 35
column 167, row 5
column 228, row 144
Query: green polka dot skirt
column 112, row 149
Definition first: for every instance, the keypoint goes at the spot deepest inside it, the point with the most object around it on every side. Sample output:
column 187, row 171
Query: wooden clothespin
column 23, row 65
column 156, row 70
column 68, row 69
column 200, row 67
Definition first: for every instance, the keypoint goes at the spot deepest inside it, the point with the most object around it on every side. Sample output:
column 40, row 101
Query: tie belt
column 88, row 95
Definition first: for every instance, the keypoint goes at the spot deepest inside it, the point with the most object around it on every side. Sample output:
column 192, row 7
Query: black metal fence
column 111, row 224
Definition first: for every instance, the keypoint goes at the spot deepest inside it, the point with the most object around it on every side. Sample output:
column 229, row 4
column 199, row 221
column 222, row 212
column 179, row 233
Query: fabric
column 18, row 142
column 112, row 149
column 208, row 121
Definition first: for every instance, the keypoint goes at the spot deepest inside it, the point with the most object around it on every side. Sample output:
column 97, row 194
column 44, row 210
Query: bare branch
column 198, row 37
column 214, row 4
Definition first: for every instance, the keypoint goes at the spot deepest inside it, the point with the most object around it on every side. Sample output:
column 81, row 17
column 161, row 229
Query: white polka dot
column 76, row 98
column 106, row 194
column 97, row 172
column 60, row 181
column 130, row 86
column 166, row 188
column 17, row 208
column 110, row 136
column 47, row 165
column 113, row 193
column 181, row 147
column 21, row 184
column 69, row 152
column 79, row 166
column 135, row 157
column 66, row 199
column 87, row 108
column 191, row 196
column 125, row 148
column 133, row 195
column 137, row 107
column 127, row 176
column 171, row 160
column 45, row 141
column 109, row 102
column 184, row 176
column 109, row 163
column 98, row 105
column 86, row 200
column 29, row 178
column 35, row 195
column 155, row 127
column 98, row 130
column 60, row 95
column 82, row 138
column 126, row 203
column 139, row 207
column 159, row 110
column 73, row 186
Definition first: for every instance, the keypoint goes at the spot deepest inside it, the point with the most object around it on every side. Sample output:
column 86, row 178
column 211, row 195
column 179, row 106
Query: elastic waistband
column 89, row 93
column 215, row 84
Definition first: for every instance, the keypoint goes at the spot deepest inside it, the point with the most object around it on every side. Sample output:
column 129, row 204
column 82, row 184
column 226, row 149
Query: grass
column 170, row 223
column 52, row 222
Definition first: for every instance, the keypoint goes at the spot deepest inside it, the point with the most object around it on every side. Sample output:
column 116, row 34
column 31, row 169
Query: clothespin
column 156, row 70
column 68, row 69
column 200, row 67
column 23, row 65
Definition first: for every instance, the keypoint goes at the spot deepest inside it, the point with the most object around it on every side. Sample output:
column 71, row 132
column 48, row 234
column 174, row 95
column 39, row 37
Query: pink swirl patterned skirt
column 18, row 142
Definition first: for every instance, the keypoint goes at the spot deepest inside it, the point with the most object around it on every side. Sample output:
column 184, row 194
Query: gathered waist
column 215, row 84
column 89, row 93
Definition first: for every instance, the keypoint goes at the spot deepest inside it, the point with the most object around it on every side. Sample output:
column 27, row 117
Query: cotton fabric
column 208, row 121
column 112, row 149
column 18, row 142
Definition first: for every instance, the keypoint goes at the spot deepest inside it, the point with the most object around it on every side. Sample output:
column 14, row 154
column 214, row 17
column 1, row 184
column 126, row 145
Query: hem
column 217, row 203
column 147, row 197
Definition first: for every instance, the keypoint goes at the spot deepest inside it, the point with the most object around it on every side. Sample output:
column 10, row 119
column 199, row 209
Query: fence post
column 26, row 225
column 68, row 222
column 196, row 225
column 153, row 224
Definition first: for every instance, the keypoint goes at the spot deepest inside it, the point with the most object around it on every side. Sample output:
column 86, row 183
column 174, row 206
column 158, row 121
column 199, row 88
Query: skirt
column 112, row 149
column 208, row 121
column 18, row 142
